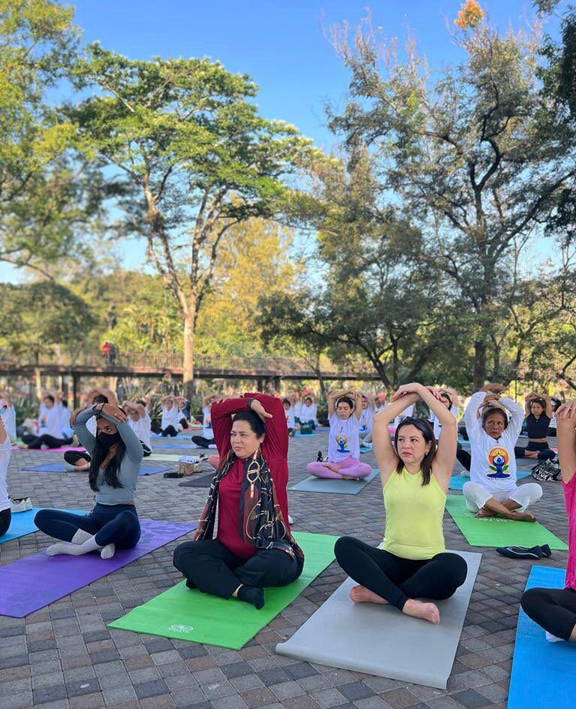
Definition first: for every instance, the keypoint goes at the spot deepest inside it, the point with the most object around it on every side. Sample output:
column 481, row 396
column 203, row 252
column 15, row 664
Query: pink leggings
column 350, row 468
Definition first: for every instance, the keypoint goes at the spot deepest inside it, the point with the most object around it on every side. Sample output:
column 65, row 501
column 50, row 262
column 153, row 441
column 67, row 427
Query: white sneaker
column 290, row 519
column 20, row 505
column 213, row 446
column 553, row 638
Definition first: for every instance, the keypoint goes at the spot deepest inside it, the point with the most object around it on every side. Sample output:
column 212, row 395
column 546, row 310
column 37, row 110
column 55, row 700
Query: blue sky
column 282, row 45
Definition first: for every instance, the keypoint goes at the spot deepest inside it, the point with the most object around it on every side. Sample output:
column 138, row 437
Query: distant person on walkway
column 105, row 349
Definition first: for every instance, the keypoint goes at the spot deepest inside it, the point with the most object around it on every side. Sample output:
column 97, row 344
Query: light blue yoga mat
column 542, row 672
column 457, row 481
column 63, row 468
column 23, row 523
column 305, row 435
column 331, row 485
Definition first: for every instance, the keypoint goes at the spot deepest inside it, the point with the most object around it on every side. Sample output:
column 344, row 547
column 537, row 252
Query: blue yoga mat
column 305, row 435
column 62, row 468
column 542, row 672
column 23, row 523
column 457, row 481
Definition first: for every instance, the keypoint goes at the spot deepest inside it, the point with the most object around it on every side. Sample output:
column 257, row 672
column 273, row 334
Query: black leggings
column 464, row 457
column 5, row 519
column 553, row 609
column 396, row 580
column 211, row 567
column 203, row 442
column 544, row 452
column 34, row 442
column 112, row 524
column 169, row 431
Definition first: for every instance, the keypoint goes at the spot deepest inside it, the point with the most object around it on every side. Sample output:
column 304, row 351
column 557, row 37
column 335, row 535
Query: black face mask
column 108, row 439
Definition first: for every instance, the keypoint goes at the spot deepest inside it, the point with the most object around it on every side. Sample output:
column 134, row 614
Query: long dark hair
column 428, row 432
column 99, row 456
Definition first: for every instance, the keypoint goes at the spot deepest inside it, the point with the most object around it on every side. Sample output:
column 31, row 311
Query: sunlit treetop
column 470, row 15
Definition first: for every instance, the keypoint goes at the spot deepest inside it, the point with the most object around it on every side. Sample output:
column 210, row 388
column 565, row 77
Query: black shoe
column 320, row 458
column 521, row 552
column 173, row 475
column 546, row 551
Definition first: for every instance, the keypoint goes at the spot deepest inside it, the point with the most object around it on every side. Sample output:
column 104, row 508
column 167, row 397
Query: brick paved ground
column 65, row 656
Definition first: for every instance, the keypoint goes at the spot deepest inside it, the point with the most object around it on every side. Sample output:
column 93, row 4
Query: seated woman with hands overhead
column 493, row 490
column 539, row 414
column 115, row 458
column 344, row 412
column 254, row 547
column 413, row 562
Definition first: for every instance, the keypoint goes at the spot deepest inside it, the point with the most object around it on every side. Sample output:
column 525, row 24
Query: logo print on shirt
column 341, row 440
column 498, row 460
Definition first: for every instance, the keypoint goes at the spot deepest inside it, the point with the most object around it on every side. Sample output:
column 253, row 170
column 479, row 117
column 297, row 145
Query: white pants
column 477, row 495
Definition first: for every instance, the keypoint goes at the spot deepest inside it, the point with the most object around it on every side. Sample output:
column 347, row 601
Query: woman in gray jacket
column 116, row 455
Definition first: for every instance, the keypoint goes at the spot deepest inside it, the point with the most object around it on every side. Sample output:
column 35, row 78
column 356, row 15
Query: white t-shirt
column 207, row 430
column 65, row 422
column 298, row 409
column 407, row 412
column 438, row 426
column 91, row 425
column 9, row 419
column 308, row 413
column 4, row 460
column 50, row 421
column 142, row 430
column 366, row 417
column 493, row 462
column 343, row 439
column 290, row 417
column 170, row 418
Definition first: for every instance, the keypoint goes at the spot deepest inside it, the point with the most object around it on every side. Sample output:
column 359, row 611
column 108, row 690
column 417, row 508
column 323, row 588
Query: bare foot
column 332, row 467
column 522, row 516
column 531, row 454
column 426, row 611
column 360, row 594
column 483, row 512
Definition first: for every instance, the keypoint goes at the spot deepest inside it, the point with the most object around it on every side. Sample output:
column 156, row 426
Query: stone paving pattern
column 64, row 656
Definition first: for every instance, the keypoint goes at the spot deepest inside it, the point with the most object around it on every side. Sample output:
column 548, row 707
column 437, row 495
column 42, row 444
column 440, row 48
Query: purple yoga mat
column 36, row 581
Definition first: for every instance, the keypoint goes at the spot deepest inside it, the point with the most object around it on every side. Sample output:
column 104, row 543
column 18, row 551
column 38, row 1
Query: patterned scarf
column 260, row 521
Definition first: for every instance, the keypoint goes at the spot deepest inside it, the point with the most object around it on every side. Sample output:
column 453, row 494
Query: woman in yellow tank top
column 413, row 562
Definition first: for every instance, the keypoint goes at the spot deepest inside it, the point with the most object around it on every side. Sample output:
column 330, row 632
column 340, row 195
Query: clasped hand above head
column 257, row 408
column 112, row 412
column 567, row 410
column 415, row 389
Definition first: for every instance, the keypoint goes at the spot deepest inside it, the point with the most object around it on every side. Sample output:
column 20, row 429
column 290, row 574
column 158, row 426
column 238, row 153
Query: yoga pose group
column 254, row 547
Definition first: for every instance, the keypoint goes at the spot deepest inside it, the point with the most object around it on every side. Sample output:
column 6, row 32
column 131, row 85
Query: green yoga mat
column 186, row 614
column 499, row 532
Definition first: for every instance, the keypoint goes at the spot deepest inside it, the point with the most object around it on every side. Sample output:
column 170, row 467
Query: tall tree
column 39, row 318
column 44, row 197
column 475, row 155
column 195, row 156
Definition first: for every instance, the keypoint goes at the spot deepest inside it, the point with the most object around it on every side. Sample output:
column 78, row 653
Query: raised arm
column 471, row 415
column 276, row 441
column 383, row 448
column 7, row 398
column 79, row 427
column 566, row 427
column 116, row 416
column 517, row 412
column 3, row 434
column 448, row 439
column 333, row 397
column 357, row 399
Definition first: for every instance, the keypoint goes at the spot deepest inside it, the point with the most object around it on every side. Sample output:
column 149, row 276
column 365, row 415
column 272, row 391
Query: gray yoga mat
column 379, row 640
column 342, row 487
column 198, row 480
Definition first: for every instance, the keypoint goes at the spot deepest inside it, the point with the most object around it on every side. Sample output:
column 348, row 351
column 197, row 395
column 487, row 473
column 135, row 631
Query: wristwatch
column 249, row 403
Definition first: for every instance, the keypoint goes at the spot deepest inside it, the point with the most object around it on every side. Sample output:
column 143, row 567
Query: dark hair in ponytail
column 428, row 432
column 99, row 455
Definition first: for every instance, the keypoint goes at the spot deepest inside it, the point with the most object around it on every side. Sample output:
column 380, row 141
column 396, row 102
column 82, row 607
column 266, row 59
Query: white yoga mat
column 379, row 640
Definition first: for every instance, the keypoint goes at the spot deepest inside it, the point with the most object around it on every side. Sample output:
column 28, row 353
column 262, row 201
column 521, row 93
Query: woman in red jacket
column 254, row 547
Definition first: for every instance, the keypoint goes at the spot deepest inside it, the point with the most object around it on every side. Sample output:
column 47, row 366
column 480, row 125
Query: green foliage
column 41, row 317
